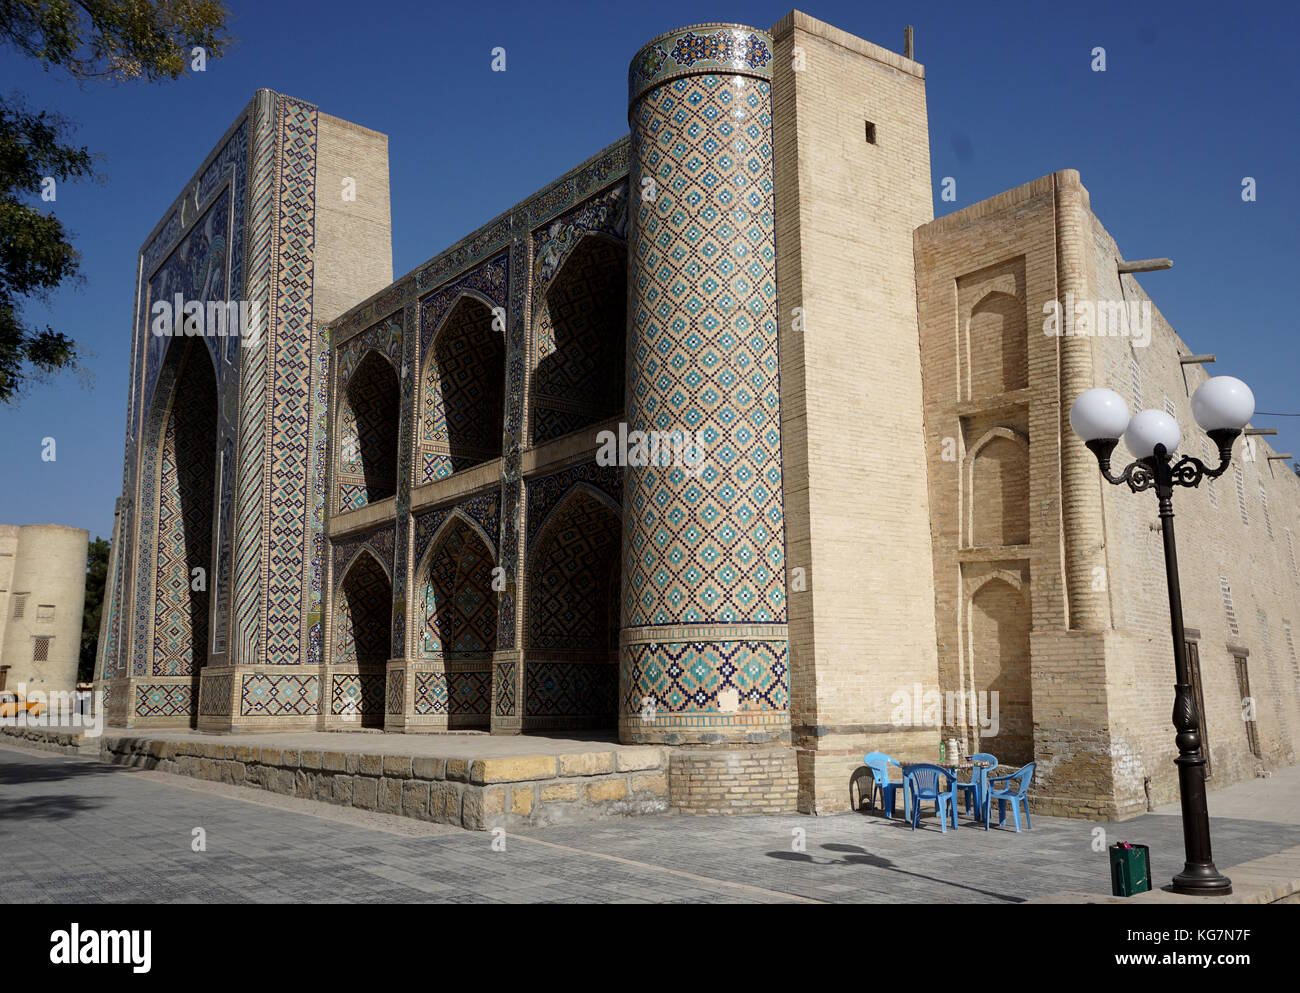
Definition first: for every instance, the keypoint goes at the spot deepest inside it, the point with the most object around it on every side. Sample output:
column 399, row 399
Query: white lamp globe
column 1223, row 403
column 1099, row 413
column 1149, row 428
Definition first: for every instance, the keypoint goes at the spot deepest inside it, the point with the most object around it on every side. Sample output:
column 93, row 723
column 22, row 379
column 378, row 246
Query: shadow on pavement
column 50, row 807
column 33, row 769
column 854, row 855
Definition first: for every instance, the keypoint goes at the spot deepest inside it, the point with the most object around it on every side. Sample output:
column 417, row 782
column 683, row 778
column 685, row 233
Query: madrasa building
column 396, row 503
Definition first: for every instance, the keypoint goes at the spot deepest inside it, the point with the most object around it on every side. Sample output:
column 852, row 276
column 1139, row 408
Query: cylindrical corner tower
column 704, row 658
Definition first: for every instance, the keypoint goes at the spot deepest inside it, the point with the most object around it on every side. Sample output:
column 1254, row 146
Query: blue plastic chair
column 1016, row 794
column 979, row 781
column 932, row 782
column 879, row 763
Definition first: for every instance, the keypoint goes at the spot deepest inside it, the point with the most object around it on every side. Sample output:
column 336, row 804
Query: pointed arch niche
column 456, row 633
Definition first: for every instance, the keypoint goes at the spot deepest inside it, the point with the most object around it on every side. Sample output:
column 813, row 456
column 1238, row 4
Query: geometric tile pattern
column 279, row 695
column 185, row 519
column 358, row 694
column 505, row 679
column 686, row 678
column 484, row 509
column 396, row 691
column 706, row 548
column 163, row 700
column 364, row 612
column 457, row 602
column 456, row 694
column 378, row 541
column 701, row 48
column 462, row 392
column 368, row 422
column 195, row 269
column 250, row 540
column 545, row 492
column 214, row 695
column 367, row 397
column 291, row 347
column 579, row 316
column 572, row 690
column 573, row 579
column 461, row 421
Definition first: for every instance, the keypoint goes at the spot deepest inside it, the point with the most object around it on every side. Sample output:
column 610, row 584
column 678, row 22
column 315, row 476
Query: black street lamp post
column 1222, row 406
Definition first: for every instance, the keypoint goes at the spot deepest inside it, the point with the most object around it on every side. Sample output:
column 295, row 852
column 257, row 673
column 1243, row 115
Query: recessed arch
column 998, row 628
column 184, row 468
column 997, row 345
column 462, row 390
column 457, row 605
column 362, row 631
column 580, row 331
column 368, row 423
column 572, row 615
column 998, row 489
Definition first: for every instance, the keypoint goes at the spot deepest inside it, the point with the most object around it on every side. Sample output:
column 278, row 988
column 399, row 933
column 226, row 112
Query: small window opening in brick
column 41, row 650
column 871, row 133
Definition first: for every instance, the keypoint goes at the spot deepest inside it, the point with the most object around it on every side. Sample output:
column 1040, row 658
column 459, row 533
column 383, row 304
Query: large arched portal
column 571, row 670
column 463, row 393
column 186, row 473
column 458, row 627
column 362, row 635
column 369, row 422
column 581, row 334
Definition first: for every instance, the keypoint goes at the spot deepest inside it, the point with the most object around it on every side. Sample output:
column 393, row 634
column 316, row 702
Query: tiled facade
column 407, row 525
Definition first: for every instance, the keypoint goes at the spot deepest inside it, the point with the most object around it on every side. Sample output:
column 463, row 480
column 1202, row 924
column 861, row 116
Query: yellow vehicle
column 12, row 702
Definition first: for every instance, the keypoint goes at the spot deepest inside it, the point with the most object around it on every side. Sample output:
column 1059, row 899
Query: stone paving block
column 423, row 767
column 637, row 759
column 512, row 769
column 586, row 764
column 604, row 790
column 365, row 792
column 397, row 766
column 390, row 796
column 415, row 799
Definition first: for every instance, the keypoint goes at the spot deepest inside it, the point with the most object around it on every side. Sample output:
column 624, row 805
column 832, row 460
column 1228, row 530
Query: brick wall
column 852, row 435
column 1089, row 568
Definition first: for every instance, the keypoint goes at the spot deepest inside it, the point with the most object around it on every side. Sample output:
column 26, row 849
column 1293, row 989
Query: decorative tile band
column 700, row 49
column 164, row 699
column 716, row 684
column 266, row 695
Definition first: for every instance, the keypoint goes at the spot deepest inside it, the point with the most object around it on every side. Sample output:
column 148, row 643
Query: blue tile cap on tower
column 697, row 49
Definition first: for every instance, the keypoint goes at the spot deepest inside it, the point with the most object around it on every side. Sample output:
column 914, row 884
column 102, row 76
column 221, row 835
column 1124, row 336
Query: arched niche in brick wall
column 997, row 346
column 998, row 625
column 998, row 490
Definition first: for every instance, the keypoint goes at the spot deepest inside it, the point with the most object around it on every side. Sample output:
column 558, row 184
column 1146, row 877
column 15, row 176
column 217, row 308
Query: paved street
column 76, row 830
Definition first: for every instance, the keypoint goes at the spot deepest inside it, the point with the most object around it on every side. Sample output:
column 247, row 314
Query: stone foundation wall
column 65, row 742
column 478, row 795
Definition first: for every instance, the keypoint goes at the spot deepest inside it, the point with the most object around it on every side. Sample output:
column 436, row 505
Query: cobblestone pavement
column 76, row 830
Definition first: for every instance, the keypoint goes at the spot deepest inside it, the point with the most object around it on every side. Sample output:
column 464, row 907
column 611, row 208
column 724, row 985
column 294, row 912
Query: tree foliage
column 146, row 40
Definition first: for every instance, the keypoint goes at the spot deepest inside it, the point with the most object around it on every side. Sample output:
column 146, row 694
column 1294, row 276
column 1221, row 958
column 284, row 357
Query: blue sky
column 1196, row 96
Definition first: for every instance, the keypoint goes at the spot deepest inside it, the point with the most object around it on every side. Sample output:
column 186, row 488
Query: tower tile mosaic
column 704, row 548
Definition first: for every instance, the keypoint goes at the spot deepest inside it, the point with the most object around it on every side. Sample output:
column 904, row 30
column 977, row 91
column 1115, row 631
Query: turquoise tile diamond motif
column 703, row 628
